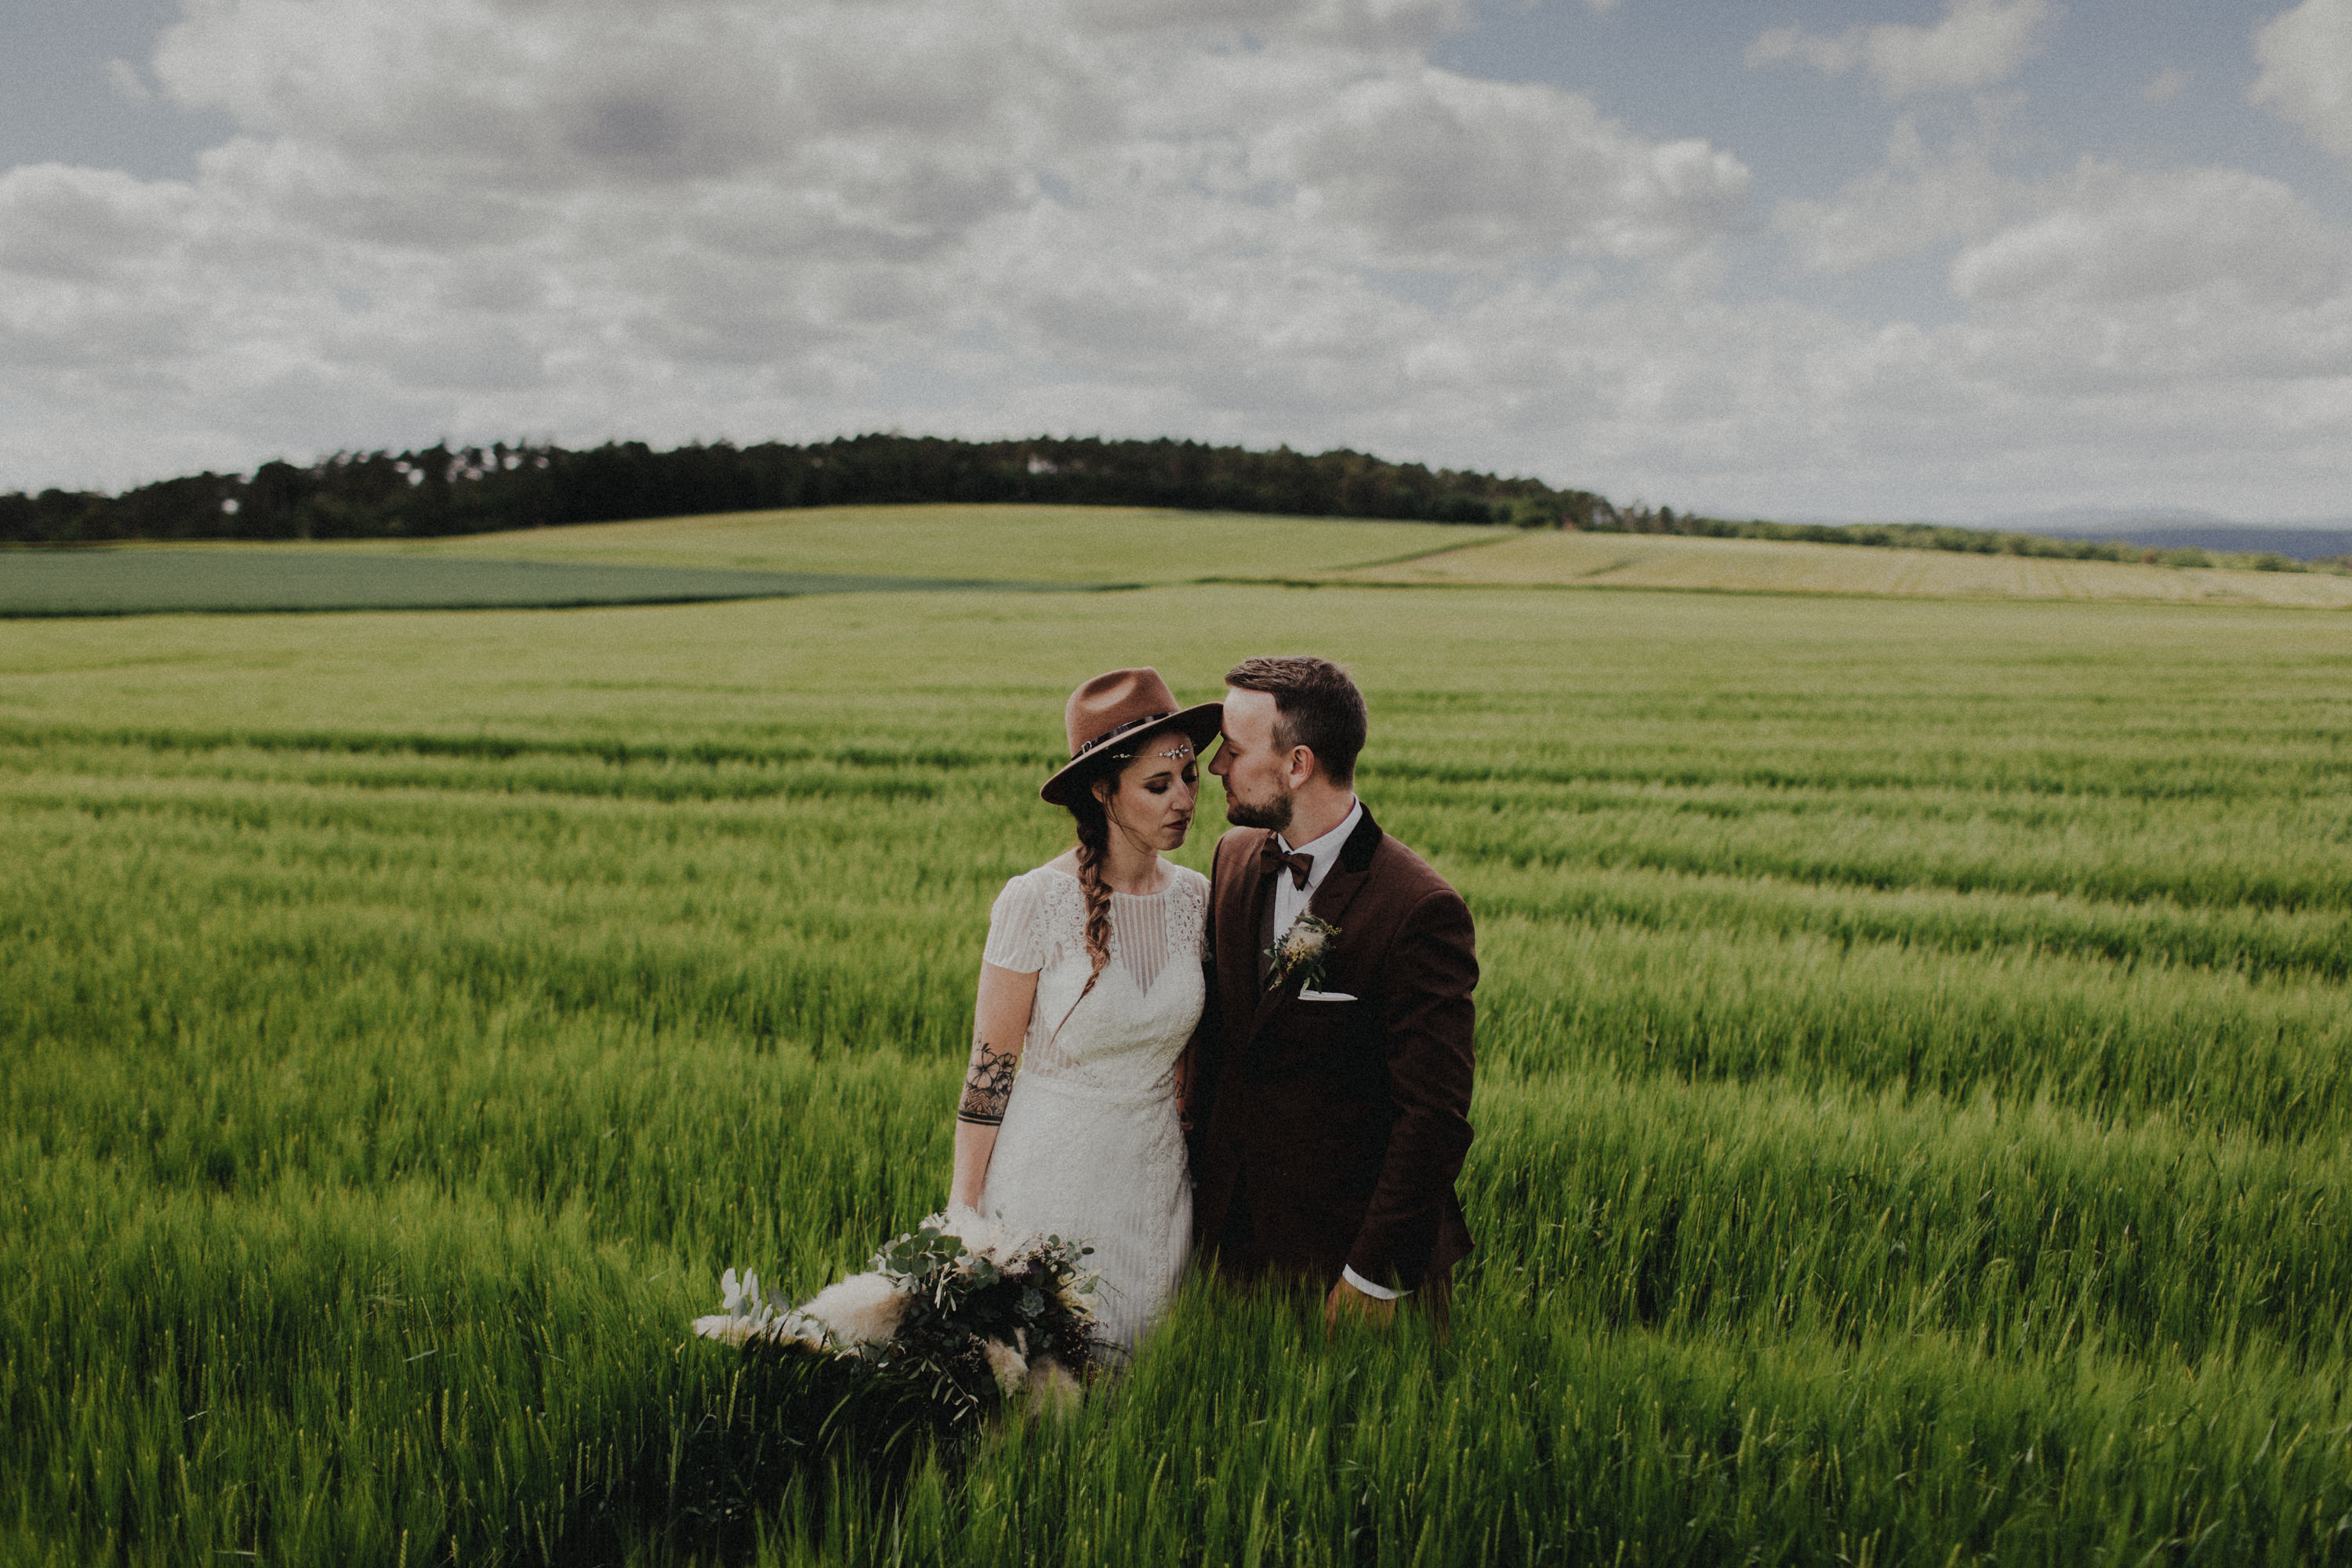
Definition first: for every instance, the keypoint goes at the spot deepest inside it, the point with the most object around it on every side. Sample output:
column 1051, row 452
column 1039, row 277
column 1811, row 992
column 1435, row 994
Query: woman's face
column 1151, row 799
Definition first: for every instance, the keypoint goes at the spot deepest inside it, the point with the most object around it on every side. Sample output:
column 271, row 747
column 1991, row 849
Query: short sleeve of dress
column 1017, row 928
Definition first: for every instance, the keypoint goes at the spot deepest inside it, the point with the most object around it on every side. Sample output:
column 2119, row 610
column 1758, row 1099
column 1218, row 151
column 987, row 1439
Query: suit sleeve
column 1432, row 968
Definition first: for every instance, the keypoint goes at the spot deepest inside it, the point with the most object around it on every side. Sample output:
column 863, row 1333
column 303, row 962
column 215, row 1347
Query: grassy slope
column 1018, row 543
column 1136, row 545
column 1913, row 1120
column 265, row 578
column 1754, row 565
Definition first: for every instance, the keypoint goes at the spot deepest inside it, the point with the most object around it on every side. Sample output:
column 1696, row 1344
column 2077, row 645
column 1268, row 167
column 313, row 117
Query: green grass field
column 1000, row 543
column 879, row 549
column 1085, row 545
column 1560, row 560
column 1913, row 1114
column 247, row 579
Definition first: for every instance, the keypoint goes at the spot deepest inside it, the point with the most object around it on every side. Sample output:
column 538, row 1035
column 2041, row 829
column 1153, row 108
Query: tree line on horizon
column 441, row 490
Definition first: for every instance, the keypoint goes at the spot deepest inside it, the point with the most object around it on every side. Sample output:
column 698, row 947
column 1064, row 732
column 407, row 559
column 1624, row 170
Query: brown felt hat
column 1125, row 705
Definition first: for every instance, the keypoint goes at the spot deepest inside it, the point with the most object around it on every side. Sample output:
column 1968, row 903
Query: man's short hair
column 1315, row 706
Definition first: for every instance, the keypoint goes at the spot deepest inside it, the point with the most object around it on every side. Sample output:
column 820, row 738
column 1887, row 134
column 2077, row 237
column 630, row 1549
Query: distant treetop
column 444, row 491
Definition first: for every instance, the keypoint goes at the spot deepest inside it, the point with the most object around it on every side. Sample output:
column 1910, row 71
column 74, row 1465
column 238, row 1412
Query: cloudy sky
column 1954, row 258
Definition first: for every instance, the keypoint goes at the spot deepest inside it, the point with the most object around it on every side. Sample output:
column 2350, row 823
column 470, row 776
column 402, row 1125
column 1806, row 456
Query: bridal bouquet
column 956, row 1306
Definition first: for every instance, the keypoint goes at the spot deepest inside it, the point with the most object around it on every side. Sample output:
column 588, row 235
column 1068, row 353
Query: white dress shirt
column 1290, row 902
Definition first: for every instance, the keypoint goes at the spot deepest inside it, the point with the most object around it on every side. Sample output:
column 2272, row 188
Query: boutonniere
column 1304, row 951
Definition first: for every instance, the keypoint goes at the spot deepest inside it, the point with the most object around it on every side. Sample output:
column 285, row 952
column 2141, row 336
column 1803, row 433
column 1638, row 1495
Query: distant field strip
column 836, row 549
column 147, row 581
column 1914, row 1112
column 1008, row 543
column 1760, row 566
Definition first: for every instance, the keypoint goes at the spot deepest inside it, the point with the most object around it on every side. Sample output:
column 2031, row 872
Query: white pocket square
column 1304, row 995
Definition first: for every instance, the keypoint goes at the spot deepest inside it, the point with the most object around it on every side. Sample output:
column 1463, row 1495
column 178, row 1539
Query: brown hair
column 1093, row 847
column 1315, row 706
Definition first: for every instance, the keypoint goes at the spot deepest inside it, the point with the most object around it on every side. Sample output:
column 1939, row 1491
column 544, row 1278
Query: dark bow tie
column 1271, row 859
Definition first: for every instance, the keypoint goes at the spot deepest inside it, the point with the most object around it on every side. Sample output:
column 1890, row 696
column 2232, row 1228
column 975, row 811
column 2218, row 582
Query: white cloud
column 124, row 78
column 711, row 217
column 2165, row 85
column 2307, row 60
column 1434, row 170
column 2196, row 322
column 1358, row 23
column 2114, row 237
column 1275, row 222
column 1977, row 44
column 67, row 223
column 1914, row 201
column 2105, row 302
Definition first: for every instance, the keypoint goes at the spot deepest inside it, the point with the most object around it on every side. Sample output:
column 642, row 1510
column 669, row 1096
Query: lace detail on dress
column 1075, row 1032
column 1045, row 912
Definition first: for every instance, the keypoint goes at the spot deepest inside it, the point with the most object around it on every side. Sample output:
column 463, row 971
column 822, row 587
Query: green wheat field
column 1913, row 1116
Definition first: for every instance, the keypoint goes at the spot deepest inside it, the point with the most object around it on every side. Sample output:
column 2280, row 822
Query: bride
column 1089, row 987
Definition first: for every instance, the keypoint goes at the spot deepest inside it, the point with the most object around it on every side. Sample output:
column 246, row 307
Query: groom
column 1329, row 1081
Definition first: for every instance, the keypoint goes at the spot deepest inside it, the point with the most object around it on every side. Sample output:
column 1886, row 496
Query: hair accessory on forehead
column 1126, row 704
column 1180, row 752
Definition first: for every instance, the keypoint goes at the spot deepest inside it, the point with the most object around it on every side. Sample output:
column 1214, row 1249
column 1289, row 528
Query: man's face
column 1254, row 771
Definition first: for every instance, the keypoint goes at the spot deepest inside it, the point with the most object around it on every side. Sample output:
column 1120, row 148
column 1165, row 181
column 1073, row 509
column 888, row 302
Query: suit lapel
column 1240, row 912
column 1332, row 896
column 1337, row 891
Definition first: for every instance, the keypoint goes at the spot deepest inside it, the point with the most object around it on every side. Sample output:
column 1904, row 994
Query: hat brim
column 1198, row 723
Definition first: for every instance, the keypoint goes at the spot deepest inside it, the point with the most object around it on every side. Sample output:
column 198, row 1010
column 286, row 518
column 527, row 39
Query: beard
column 1272, row 811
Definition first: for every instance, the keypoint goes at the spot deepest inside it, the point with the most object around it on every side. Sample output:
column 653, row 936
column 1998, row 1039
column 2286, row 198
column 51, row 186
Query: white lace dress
column 1090, row 1149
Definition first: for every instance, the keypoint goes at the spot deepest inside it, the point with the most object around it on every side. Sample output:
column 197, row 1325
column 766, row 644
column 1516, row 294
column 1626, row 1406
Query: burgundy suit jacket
column 1338, row 1127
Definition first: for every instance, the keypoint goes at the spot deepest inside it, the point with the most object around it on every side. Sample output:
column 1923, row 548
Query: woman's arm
column 999, row 1027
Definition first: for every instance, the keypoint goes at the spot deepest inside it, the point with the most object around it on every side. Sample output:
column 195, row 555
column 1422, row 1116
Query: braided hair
column 1094, row 847
column 1093, row 819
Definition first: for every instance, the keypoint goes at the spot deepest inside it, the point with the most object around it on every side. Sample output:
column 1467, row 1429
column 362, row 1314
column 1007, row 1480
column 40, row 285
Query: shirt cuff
column 1377, row 1292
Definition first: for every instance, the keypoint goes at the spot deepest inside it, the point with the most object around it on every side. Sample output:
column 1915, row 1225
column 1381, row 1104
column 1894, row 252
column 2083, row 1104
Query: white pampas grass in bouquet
column 863, row 1309
column 978, row 1315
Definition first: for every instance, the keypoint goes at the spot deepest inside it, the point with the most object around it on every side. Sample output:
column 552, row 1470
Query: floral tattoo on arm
column 988, row 1086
